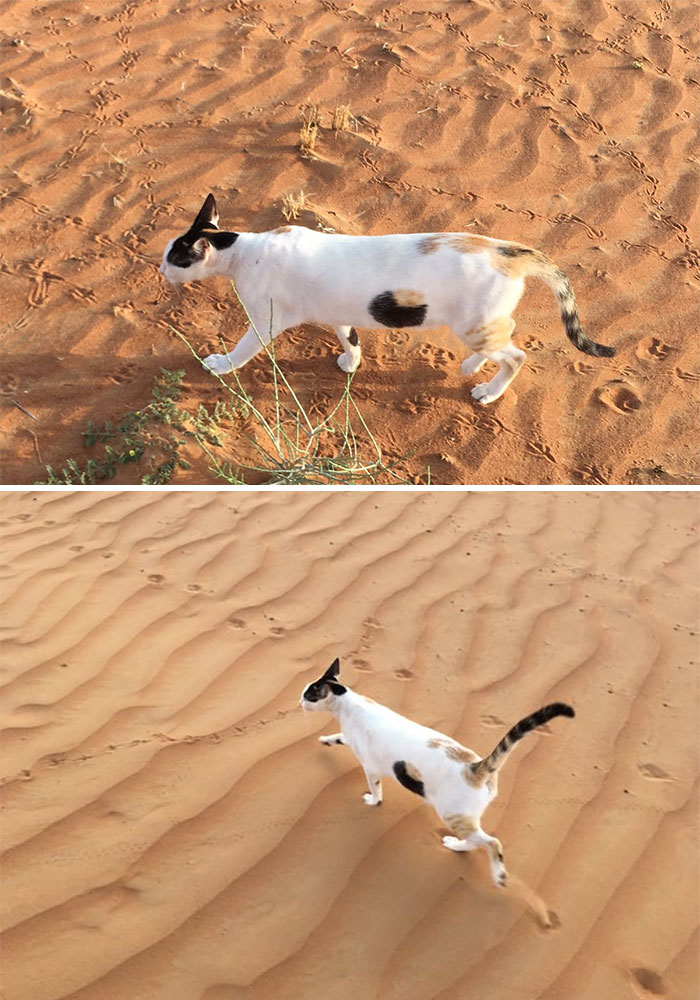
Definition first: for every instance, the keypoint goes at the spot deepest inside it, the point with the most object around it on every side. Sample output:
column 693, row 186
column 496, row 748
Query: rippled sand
column 172, row 828
column 569, row 126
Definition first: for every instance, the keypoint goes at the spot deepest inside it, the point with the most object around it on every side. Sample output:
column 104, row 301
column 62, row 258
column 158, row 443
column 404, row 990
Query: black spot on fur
column 385, row 309
column 182, row 252
column 404, row 778
column 515, row 251
column 221, row 240
column 319, row 689
column 353, row 338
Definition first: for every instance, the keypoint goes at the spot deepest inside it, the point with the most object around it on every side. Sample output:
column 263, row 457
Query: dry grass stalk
column 292, row 205
column 309, row 131
column 343, row 120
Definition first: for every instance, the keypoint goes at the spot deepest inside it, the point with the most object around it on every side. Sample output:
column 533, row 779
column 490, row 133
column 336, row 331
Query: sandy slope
column 172, row 829
column 567, row 126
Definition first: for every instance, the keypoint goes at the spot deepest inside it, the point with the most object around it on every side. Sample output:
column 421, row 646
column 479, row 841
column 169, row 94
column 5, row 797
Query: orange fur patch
column 492, row 337
column 429, row 244
column 454, row 750
column 407, row 297
column 463, row 826
column 413, row 772
column 520, row 266
column 468, row 243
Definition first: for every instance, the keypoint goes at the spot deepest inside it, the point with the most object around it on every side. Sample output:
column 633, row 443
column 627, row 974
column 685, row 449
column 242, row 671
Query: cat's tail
column 525, row 262
column 481, row 769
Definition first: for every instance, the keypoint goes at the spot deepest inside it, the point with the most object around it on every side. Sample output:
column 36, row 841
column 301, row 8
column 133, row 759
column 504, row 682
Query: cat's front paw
column 348, row 363
column 331, row 741
column 459, row 845
column 454, row 843
column 217, row 364
column 484, row 393
column 371, row 800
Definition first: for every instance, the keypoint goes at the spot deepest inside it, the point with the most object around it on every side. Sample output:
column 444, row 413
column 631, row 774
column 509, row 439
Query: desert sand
column 567, row 126
column 172, row 829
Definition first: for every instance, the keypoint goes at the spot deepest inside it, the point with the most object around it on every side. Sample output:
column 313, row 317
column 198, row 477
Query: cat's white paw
column 470, row 366
column 500, row 878
column 331, row 741
column 217, row 364
column 485, row 393
column 455, row 844
column 370, row 800
column 348, row 363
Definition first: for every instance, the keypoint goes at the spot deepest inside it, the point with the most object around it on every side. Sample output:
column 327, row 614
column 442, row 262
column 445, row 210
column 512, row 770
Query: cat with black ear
column 293, row 275
column 457, row 782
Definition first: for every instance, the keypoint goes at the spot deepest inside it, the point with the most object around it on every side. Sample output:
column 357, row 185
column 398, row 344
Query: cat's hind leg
column 492, row 342
column 334, row 739
column 352, row 352
column 464, row 827
column 494, row 849
column 470, row 837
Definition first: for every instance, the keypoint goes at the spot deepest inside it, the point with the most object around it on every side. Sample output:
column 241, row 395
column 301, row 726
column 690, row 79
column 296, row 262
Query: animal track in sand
column 398, row 337
column 655, row 772
column 362, row 665
column 125, row 373
column 8, row 385
column 590, row 473
column 421, row 403
column 493, row 721
column 620, row 397
column 541, row 450
column 647, row 983
column 235, row 623
column 156, row 578
column 653, row 347
column 403, row 675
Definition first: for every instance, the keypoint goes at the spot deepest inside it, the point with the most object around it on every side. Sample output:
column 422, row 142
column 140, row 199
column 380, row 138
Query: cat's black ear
column 337, row 688
column 332, row 671
column 208, row 214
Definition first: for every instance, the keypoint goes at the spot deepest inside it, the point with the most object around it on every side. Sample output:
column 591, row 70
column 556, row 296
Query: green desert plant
column 292, row 447
column 155, row 434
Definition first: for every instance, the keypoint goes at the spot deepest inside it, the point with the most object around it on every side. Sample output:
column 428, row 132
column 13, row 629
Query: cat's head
column 193, row 255
column 321, row 694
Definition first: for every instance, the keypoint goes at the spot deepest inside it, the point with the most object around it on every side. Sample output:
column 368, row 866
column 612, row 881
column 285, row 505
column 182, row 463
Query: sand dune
column 567, row 126
column 172, row 829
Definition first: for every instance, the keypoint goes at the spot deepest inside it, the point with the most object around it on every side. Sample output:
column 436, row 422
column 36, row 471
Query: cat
column 456, row 782
column 294, row 275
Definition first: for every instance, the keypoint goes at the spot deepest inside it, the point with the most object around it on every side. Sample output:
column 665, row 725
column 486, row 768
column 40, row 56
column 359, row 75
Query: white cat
column 456, row 782
column 295, row 275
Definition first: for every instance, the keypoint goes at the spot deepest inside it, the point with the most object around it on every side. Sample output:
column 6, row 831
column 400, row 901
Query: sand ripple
column 172, row 829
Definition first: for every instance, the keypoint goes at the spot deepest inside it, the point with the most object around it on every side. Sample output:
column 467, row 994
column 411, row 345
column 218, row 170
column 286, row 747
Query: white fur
column 379, row 737
column 296, row 275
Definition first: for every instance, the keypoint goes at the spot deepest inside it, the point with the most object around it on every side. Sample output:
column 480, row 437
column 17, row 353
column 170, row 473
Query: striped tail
column 483, row 768
column 532, row 262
